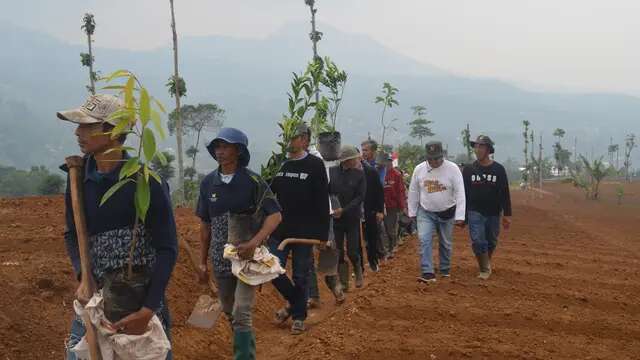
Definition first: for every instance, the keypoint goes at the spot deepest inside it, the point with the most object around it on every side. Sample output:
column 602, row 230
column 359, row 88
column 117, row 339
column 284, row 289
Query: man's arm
column 320, row 203
column 70, row 235
column 414, row 193
column 459, row 194
column 360, row 194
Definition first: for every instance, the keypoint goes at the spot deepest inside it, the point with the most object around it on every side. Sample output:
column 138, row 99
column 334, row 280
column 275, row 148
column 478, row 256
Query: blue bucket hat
column 232, row 136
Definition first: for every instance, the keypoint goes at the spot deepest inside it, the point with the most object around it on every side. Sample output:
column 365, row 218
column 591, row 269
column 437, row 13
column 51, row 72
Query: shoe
column 283, row 315
column 244, row 345
column 339, row 295
column 427, row 278
column 485, row 266
column 445, row 275
column 359, row 277
column 313, row 303
column 374, row 267
column 298, row 327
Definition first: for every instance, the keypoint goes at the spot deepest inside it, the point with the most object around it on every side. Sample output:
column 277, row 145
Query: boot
column 359, row 277
column 244, row 345
column 343, row 272
column 484, row 265
column 335, row 287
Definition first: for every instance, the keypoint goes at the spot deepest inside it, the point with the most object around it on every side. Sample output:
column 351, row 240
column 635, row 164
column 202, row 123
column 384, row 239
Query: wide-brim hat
column 348, row 152
column 96, row 110
column 484, row 140
column 232, row 136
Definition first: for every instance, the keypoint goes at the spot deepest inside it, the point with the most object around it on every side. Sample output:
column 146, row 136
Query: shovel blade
column 205, row 313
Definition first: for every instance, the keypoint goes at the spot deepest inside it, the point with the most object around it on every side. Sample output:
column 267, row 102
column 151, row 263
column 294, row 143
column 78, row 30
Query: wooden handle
column 76, row 165
column 194, row 263
column 288, row 241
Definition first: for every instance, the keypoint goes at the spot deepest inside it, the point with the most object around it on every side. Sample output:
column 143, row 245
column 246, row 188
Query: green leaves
column 130, row 167
column 113, row 190
column 148, row 144
column 142, row 197
column 145, row 107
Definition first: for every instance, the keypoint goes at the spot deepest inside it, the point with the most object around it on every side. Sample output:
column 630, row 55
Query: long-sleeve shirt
column 110, row 229
column 302, row 189
column 487, row 189
column 350, row 187
column 395, row 194
column 374, row 197
column 437, row 189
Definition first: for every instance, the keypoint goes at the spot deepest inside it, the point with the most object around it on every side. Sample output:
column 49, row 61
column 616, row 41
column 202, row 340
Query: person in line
column 395, row 204
column 437, row 200
column 232, row 189
column 488, row 202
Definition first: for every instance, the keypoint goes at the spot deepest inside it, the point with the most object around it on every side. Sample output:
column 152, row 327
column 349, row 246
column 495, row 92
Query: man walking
column 487, row 192
column 302, row 190
column 229, row 191
column 395, row 204
column 436, row 198
column 349, row 187
column 111, row 225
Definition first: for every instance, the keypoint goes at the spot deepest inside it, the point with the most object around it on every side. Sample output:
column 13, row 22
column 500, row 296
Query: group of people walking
column 358, row 198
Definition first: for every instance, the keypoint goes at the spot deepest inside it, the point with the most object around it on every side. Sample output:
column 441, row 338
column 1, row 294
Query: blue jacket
column 110, row 230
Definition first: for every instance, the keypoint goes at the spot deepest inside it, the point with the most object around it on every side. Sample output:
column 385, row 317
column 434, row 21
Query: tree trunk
column 176, row 78
column 315, row 45
column 193, row 163
column 92, row 85
column 540, row 164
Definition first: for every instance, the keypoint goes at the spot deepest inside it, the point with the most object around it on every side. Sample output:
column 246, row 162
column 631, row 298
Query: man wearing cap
column 395, row 202
column 302, row 190
column 349, row 186
column 111, row 225
column 436, row 198
column 231, row 190
column 488, row 200
column 373, row 216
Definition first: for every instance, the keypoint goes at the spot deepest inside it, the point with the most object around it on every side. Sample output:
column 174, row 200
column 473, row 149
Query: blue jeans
column 78, row 330
column 428, row 223
column 484, row 231
column 296, row 292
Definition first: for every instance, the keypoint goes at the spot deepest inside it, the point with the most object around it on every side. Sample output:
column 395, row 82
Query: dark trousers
column 372, row 237
column 295, row 292
column 349, row 230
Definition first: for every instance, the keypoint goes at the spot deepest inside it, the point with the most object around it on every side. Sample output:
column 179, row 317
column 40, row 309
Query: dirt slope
column 566, row 286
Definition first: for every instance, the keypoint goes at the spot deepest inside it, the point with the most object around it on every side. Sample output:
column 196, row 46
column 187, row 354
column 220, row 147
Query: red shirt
column 394, row 191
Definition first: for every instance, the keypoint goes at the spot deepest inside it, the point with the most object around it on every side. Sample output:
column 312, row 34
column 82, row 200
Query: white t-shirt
column 437, row 189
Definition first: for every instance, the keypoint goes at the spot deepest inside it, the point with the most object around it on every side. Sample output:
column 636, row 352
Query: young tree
column 335, row 80
column 409, row 156
column 525, row 134
column 165, row 170
column 465, row 135
column 177, row 89
column 89, row 26
column 388, row 101
column 629, row 145
column 195, row 119
column 315, row 36
column 420, row 125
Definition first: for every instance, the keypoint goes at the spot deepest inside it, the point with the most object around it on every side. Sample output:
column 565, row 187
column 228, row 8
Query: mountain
column 250, row 77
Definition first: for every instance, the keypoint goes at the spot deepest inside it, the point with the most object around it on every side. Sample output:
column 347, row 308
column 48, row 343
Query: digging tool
column 207, row 310
column 288, row 241
column 87, row 283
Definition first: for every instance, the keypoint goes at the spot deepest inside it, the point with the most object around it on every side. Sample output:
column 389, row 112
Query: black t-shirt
column 487, row 189
column 302, row 189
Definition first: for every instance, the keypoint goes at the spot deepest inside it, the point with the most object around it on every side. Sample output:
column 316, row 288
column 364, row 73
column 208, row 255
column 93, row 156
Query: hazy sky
column 577, row 45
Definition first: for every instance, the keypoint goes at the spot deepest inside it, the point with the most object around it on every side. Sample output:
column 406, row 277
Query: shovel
column 207, row 310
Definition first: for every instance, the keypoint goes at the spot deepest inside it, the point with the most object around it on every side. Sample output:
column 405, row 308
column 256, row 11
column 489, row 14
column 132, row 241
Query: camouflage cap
column 96, row 110
column 434, row 150
column 302, row 129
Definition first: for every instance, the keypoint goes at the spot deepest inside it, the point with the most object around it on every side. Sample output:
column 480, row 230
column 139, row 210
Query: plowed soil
column 566, row 285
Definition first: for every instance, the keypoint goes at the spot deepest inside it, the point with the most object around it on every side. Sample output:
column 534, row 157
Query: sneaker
column 298, row 327
column 427, row 278
column 282, row 315
column 484, row 275
column 445, row 275
column 375, row 267
column 313, row 303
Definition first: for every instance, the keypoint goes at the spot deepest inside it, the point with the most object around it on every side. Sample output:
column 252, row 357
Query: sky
column 551, row 45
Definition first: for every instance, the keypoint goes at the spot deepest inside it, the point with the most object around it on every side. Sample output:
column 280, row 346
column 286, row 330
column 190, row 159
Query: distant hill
column 250, row 77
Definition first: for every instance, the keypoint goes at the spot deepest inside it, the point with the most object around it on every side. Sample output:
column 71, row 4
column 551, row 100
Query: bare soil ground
column 566, row 286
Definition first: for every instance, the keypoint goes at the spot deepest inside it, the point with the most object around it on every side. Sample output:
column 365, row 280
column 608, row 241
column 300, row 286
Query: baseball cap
column 483, row 140
column 96, row 109
column 434, row 150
